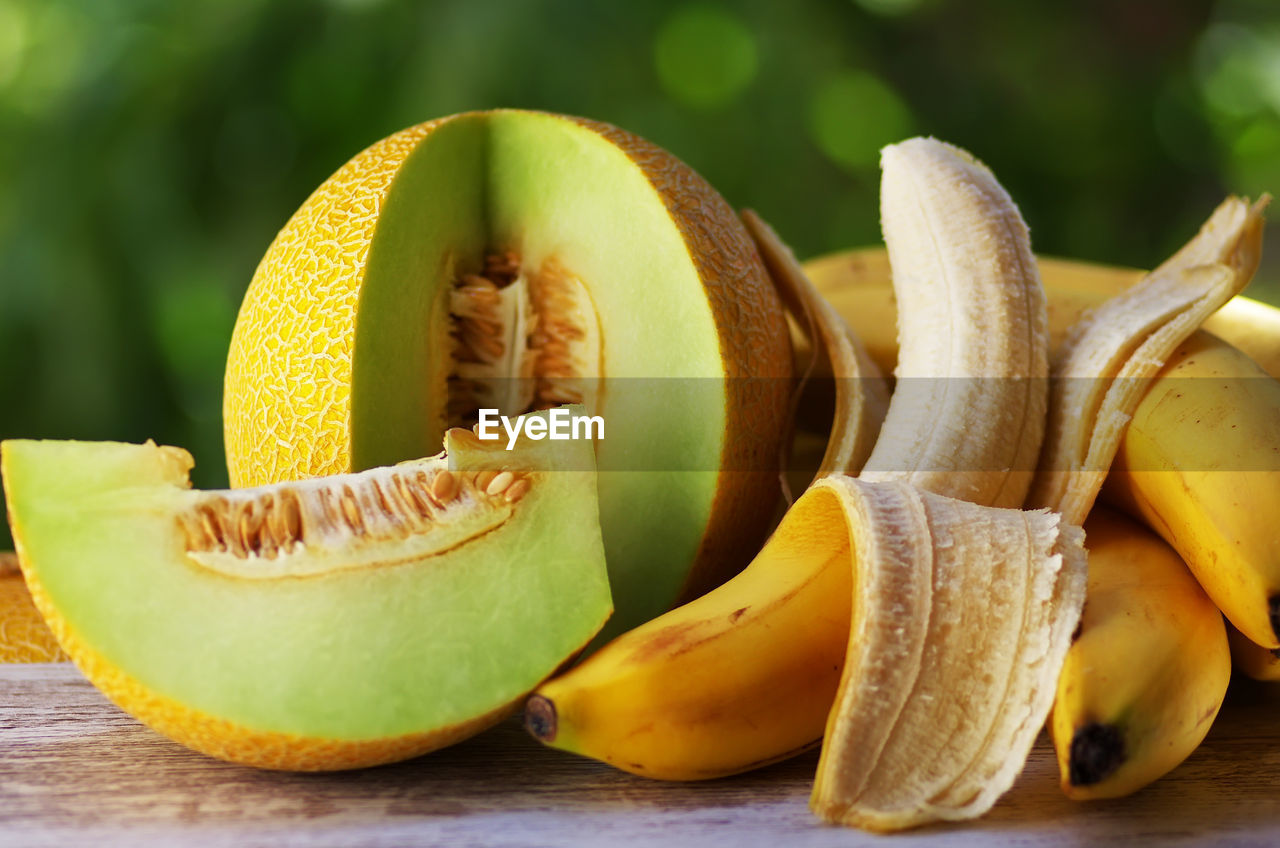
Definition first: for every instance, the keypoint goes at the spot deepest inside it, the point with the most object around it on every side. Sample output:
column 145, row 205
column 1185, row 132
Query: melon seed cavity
column 522, row 340
column 377, row 517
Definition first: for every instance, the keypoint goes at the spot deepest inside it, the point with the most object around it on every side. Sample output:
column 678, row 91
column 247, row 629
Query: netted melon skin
column 24, row 637
column 287, row 399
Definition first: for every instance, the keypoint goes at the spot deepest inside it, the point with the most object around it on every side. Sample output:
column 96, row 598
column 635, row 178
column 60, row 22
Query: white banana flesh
column 967, row 415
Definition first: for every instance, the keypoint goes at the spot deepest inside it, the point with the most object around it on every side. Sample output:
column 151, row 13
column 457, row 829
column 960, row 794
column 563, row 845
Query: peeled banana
column 967, row 414
column 1145, row 678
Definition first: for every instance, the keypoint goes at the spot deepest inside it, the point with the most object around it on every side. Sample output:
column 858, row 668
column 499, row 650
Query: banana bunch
column 1202, row 444
column 897, row 618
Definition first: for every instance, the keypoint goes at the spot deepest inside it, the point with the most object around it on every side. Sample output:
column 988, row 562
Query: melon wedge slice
column 331, row 623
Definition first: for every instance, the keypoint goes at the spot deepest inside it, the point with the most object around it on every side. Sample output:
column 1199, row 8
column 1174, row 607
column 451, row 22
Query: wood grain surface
column 76, row 771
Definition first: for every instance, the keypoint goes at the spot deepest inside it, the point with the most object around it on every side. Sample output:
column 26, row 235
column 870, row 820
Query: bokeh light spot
column 13, row 40
column 58, row 45
column 889, row 8
column 705, row 56
column 853, row 115
column 356, row 5
column 1255, row 157
column 1238, row 69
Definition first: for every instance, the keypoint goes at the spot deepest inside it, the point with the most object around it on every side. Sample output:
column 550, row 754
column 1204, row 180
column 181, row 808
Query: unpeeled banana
column 1103, row 369
column 1251, row 658
column 1199, row 464
column 1144, row 680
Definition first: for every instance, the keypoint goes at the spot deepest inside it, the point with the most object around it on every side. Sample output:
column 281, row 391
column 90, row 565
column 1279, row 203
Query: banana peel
column 1106, row 363
column 962, row 616
column 861, row 392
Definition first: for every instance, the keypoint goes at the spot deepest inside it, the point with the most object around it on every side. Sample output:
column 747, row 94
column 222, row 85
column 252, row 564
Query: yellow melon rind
column 291, row 350
column 24, row 637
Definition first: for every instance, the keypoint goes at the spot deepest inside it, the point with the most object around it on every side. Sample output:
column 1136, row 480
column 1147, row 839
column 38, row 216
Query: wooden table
column 74, row 770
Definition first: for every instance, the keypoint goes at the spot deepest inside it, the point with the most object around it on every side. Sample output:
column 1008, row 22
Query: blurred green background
column 150, row 150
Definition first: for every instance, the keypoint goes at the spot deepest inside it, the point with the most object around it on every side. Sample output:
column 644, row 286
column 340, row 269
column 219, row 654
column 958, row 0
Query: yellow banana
column 738, row 678
column 1146, row 675
column 857, row 284
column 1199, row 464
column 748, row 673
column 1251, row 658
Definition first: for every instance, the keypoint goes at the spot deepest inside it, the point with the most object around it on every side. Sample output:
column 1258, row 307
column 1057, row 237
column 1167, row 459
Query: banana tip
column 1097, row 750
column 1273, row 613
column 540, row 719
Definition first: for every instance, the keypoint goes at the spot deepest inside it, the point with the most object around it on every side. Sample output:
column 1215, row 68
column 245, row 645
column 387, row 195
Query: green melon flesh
column 546, row 186
column 350, row 654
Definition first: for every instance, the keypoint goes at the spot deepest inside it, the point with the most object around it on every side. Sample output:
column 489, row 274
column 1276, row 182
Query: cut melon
column 325, row 624
column 517, row 260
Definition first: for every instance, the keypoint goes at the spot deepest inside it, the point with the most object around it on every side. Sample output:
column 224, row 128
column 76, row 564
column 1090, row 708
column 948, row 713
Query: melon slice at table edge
column 355, row 647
